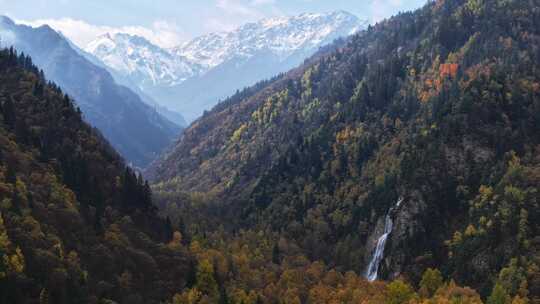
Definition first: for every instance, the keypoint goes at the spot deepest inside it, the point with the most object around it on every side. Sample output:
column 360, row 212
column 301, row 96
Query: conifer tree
column 276, row 259
column 499, row 295
column 8, row 110
column 206, row 282
column 431, row 281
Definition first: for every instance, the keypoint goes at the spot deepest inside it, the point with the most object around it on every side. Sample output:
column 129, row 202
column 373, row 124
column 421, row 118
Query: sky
column 168, row 23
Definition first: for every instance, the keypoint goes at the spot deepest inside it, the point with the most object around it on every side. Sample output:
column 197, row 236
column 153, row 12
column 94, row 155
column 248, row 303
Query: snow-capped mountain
column 193, row 77
column 142, row 61
column 282, row 36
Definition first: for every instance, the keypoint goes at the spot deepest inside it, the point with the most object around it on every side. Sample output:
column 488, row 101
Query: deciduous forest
column 423, row 129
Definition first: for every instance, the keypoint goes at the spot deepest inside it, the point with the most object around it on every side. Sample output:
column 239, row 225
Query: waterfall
column 373, row 267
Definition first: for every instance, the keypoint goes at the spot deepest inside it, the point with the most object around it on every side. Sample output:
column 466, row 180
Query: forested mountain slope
column 134, row 128
column 76, row 224
column 440, row 107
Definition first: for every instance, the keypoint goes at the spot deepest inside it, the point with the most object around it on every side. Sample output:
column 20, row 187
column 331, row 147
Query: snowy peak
column 6, row 21
column 149, row 65
column 308, row 21
column 139, row 59
column 194, row 76
column 102, row 44
column 282, row 36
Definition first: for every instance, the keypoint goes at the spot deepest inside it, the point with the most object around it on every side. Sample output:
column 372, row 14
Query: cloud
column 162, row 33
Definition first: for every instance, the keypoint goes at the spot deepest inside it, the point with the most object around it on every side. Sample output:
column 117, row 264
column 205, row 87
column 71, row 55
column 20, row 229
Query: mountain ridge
column 110, row 107
column 140, row 57
column 437, row 106
column 408, row 153
column 73, row 216
column 200, row 72
column 270, row 33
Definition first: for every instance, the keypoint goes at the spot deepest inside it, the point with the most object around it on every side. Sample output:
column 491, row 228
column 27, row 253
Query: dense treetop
column 76, row 224
column 279, row 194
column 440, row 106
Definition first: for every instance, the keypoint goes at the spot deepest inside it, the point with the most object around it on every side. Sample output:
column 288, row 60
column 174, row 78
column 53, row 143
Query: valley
column 423, row 108
column 134, row 128
column 317, row 159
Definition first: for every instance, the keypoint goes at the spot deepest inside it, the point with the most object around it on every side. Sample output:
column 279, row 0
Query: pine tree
column 42, row 76
column 431, row 281
column 206, row 282
column 11, row 176
column 12, row 57
column 38, row 89
column 499, row 295
column 9, row 113
column 276, row 256
column 147, row 195
column 168, row 230
column 22, row 132
column 399, row 292
column 183, row 229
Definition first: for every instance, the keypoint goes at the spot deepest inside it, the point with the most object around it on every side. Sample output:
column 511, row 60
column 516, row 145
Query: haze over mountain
column 194, row 76
column 136, row 129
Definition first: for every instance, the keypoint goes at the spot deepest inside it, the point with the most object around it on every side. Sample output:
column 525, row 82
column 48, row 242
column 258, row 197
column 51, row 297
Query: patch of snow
column 149, row 64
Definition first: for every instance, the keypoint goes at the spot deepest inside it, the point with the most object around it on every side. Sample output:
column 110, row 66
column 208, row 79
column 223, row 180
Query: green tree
column 432, row 280
column 499, row 295
column 4, row 246
column 191, row 296
column 206, row 282
column 399, row 292
column 276, row 254
column 11, row 175
column 511, row 276
column 8, row 110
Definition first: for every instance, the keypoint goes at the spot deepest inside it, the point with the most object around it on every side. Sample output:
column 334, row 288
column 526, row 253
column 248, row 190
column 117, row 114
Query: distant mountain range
column 133, row 127
column 193, row 77
column 142, row 61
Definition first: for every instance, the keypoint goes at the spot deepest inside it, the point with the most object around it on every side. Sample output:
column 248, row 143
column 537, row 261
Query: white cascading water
column 372, row 271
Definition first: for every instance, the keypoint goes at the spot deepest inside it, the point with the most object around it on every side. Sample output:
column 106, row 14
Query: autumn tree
column 431, row 281
column 206, row 283
column 498, row 295
column 399, row 292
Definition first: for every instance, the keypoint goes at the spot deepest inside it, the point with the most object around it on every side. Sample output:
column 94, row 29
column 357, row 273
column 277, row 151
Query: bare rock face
column 408, row 231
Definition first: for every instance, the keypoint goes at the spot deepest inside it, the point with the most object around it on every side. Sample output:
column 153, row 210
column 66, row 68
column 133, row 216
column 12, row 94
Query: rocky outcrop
column 372, row 239
column 408, row 231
